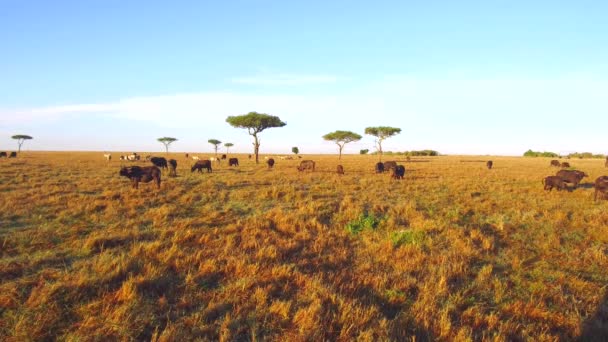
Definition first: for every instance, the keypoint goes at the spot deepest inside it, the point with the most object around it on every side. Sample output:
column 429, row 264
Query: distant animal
column 571, row 176
column 601, row 186
column 196, row 158
column 3, row 155
column 13, row 155
column 133, row 157
column 379, row 167
column 299, row 157
column 148, row 157
column 306, row 165
column 215, row 159
column 551, row 182
column 250, row 156
column 398, row 172
column 340, row 170
column 123, row 158
column 389, row 165
column 160, row 162
column 565, row 164
column 233, row 162
column 489, row 164
column 143, row 174
column 186, row 155
column 173, row 167
column 223, row 156
column 555, row 163
column 270, row 163
column 107, row 156
column 200, row 165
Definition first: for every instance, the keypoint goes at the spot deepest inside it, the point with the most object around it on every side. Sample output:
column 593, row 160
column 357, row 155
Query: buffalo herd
column 8, row 155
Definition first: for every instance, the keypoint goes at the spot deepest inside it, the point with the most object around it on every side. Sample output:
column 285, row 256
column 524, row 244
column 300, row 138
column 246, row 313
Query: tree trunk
column 20, row 143
column 256, row 148
column 166, row 149
column 340, row 148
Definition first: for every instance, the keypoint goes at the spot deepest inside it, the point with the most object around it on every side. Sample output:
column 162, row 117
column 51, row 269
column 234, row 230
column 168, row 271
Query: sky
column 460, row 77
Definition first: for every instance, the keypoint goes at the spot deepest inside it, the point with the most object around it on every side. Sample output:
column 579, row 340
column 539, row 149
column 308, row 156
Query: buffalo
column 13, row 155
column 223, row 156
column 306, row 165
column 565, row 165
column 398, row 172
column 173, row 165
column 554, row 182
column 390, row 165
column 158, row 162
column 3, row 155
column 571, row 176
column 379, row 167
column 270, row 163
column 141, row 174
column 489, row 164
column 601, row 186
column 233, row 162
column 555, row 163
column 340, row 170
column 200, row 165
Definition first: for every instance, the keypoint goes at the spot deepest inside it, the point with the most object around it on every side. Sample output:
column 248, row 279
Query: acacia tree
column 295, row 150
column 21, row 138
column 342, row 138
column 255, row 123
column 381, row 133
column 228, row 146
column 166, row 141
column 215, row 143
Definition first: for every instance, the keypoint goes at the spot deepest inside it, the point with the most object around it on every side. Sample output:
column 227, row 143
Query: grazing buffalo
column 160, row 162
column 200, row 165
column 233, row 162
column 390, row 165
column 555, row 163
column 270, row 163
column 3, row 155
column 306, row 165
column 489, row 164
column 340, row 170
column 379, row 167
column 173, row 165
column 601, row 186
column 398, row 172
column 571, row 176
column 141, row 174
column 565, row 165
column 223, row 156
column 554, row 182
column 13, row 155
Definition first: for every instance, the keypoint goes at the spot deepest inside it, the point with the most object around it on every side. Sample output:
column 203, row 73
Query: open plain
column 454, row 251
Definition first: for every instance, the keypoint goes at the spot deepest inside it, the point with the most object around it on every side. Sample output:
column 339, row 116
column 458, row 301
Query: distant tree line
column 579, row 155
column 428, row 153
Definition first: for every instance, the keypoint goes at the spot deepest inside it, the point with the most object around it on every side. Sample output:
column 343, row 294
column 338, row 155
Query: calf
column 555, row 163
column 565, row 165
column 571, row 176
column 270, row 163
column 3, row 155
column 398, row 172
column 160, row 162
column 554, row 182
column 173, row 169
column 306, row 165
column 200, row 165
column 141, row 174
column 389, row 165
column 13, row 155
column 601, row 186
column 379, row 167
column 489, row 164
column 340, row 170
column 233, row 162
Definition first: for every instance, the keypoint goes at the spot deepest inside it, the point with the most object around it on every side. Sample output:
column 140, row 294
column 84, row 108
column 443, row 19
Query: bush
column 407, row 237
column 365, row 151
column 364, row 221
column 530, row 153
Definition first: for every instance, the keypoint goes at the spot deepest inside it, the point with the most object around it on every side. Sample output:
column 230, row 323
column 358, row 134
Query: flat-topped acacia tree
column 381, row 133
column 215, row 144
column 255, row 123
column 166, row 141
column 21, row 138
column 228, row 146
column 342, row 138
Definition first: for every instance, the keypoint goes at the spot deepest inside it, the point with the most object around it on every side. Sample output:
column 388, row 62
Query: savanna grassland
column 452, row 252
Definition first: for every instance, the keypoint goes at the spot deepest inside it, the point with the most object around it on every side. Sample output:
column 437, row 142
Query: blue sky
column 461, row 77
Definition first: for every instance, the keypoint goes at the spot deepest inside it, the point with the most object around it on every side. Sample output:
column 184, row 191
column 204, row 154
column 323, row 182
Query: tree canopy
column 255, row 123
column 21, row 138
column 342, row 138
column 166, row 141
column 295, row 150
column 381, row 133
column 228, row 146
column 215, row 143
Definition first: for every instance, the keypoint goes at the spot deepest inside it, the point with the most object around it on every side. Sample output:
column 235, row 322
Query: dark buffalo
column 379, row 167
column 390, row 165
column 143, row 174
column 554, row 182
column 565, row 164
column 571, row 176
column 173, row 167
column 555, row 163
column 489, row 164
column 187, row 156
column 223, row 156
column 3, row 155
column 200, row 165
column 398, row 172
column 159, row 162
column 13, row 155
column 601, row 186
column 270, row 163
column 340, row 170
column 306, row 165
column 233, row 162
column 249, row 156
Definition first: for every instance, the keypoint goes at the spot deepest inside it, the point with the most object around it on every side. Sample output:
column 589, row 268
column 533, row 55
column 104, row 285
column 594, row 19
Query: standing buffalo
column 571, row 176
column 340, row 170
column 398, row 172
column 3, row 155
column 555, row 163
column 141, row 174
column 306, row 165
column 379, row 167
column 601, row 186
column 173, row 169
column 233, row 162
column 390, row 165
column 13, row 155
column 270, row 163
column 223, row 156
column 200, row 165
column 159, row 162
column 554, row 182
column 489, row 164
column 565, row 165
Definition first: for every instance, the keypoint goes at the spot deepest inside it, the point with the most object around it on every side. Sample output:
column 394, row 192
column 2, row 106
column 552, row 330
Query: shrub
column 365, row 151
column 406, row 237
column 364, row 221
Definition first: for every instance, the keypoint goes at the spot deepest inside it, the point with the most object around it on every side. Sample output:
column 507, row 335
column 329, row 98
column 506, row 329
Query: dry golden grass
column 453, row 252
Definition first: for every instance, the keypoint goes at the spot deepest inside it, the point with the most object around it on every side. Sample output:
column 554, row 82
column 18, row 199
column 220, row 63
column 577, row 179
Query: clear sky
column 460, row 77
